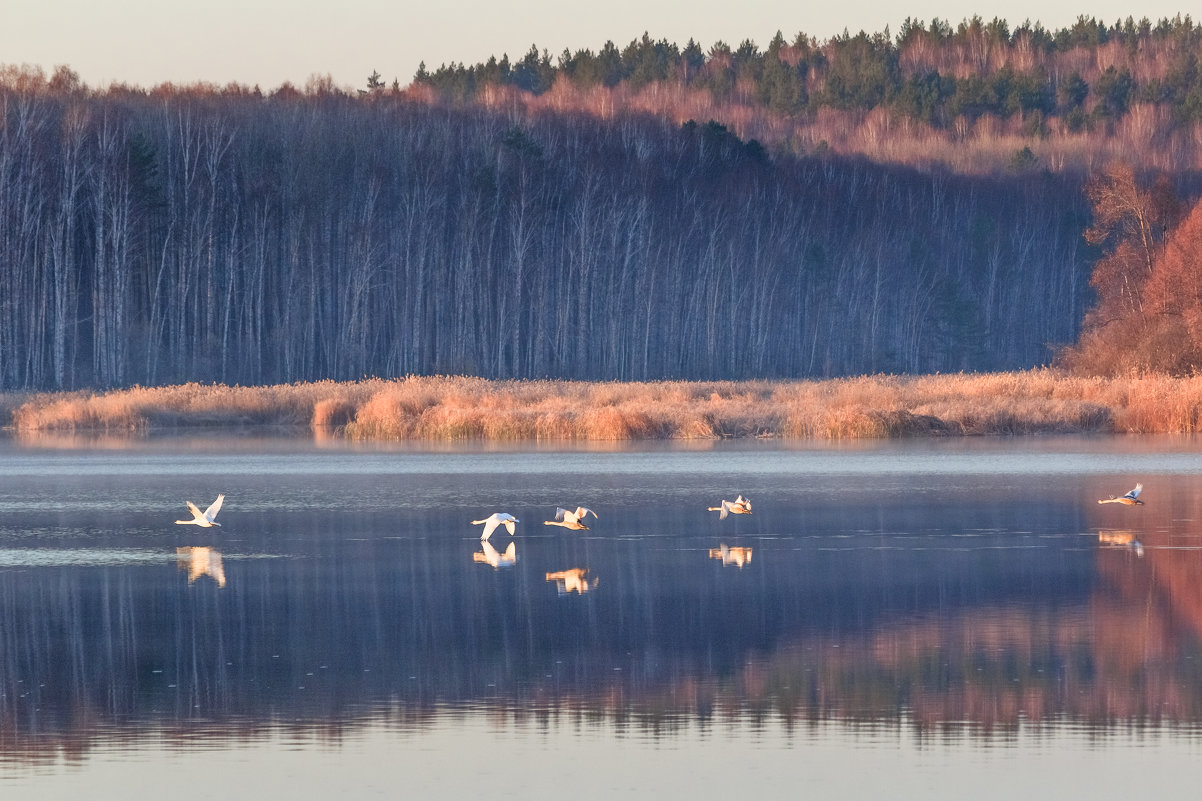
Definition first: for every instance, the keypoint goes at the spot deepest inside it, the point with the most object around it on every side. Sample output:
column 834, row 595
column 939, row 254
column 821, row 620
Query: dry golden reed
column 463, row 408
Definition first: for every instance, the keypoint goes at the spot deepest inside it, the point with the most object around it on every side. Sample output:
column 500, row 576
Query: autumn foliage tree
column 1145, row 280
column 1173, row 295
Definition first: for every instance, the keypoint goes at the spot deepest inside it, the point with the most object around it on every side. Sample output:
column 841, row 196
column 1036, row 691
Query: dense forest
column 170, row 237
column 565, row 228
column 977, row 96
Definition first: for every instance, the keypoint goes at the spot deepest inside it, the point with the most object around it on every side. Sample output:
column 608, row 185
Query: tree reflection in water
column 976, row 613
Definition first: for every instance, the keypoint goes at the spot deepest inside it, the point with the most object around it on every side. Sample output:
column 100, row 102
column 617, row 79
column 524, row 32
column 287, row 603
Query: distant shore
column 457, row 408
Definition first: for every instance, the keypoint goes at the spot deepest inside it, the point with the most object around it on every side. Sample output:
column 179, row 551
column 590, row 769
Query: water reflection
column 736, row 555
column 1121, row 538
column 201, row 561
column 490, row 556
column 573, row 580
column 926, row 603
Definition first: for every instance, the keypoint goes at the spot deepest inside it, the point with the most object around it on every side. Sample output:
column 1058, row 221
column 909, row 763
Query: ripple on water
column 64, row 557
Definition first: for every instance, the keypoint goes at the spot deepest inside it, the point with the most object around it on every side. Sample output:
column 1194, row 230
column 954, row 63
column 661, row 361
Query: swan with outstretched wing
column 1130, row 499
column 491, row 522
column 206, row 518
column 569, row 519
column 739, row 506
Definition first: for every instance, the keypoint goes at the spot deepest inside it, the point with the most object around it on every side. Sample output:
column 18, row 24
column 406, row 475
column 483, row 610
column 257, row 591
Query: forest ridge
column 976, row 96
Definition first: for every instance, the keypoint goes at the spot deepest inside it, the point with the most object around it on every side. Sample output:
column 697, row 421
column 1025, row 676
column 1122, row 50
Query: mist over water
column 920, row 607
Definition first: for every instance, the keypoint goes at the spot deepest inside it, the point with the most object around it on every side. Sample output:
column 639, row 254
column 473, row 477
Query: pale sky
column 268, row 42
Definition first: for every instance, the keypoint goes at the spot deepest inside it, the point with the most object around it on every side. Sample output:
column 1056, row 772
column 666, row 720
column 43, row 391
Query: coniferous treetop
column 935, row 73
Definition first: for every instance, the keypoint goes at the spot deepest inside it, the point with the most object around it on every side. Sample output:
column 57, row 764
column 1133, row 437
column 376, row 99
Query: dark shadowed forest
column 566, row 230
column 160, row 238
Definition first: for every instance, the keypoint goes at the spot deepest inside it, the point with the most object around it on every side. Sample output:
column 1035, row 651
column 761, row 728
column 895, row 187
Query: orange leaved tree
column 1139, row 323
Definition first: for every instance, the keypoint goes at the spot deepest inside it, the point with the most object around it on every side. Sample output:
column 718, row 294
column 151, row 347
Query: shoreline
column 461, row 408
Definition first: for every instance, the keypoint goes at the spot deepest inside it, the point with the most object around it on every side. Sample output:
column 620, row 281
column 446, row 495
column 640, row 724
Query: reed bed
column 453, row 408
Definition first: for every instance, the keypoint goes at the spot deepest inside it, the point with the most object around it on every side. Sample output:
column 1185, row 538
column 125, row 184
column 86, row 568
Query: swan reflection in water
column 572, row 580
column 736, row 555
column 201, row 561
column 490, row 556
column 1121, row 538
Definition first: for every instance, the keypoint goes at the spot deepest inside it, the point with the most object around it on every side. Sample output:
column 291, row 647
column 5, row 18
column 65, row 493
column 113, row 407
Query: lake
column 934, row 618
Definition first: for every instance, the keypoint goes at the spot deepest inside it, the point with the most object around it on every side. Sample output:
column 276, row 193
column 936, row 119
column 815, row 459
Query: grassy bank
column 462, row 408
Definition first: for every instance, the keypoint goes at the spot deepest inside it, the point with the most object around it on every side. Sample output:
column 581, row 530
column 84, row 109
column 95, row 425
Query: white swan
column 206, row 518
column 495, row 519
column 570, row 519
column 739, row 506
column 1130, row 499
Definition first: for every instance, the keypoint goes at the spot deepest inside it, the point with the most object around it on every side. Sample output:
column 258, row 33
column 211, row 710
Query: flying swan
column 739, row 506
column 1130, row 499
column 495, row 519
column 570, row 519
column 205, row 519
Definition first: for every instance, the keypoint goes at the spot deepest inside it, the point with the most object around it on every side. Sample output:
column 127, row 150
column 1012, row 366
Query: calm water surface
column 946, row 618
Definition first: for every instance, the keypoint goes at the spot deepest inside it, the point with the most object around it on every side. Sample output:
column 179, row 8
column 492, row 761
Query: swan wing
column 213, row 509
column 564, row 516
column 582, row 512
column 490, row 525
column 509, row 524
column 1133, row 494
column 197, row 517
column 725, row 510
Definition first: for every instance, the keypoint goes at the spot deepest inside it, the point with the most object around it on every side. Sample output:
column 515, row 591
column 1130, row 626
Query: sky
column 269, row 42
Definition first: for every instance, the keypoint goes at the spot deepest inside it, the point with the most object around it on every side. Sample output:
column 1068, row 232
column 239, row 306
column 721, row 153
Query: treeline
column 1139, row 81
column 1087, row 73
column 164, row 237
